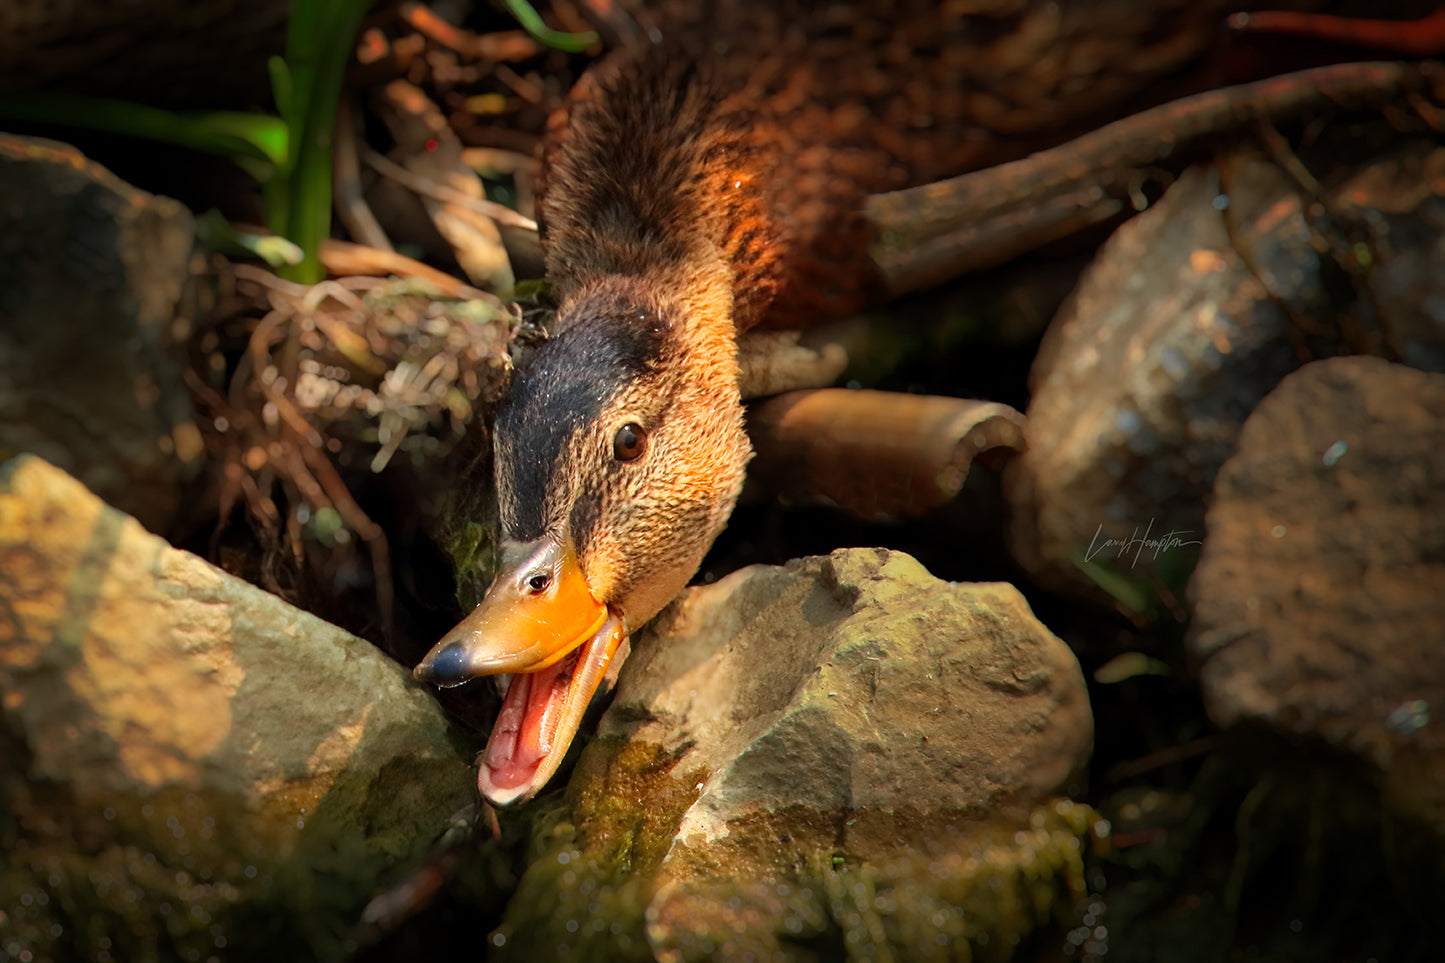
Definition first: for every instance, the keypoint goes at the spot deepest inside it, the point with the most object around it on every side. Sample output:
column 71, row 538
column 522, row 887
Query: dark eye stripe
column 599, row 352
column 562, row 392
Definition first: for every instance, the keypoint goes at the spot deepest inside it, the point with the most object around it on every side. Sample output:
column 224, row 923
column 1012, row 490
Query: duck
column 703, row 181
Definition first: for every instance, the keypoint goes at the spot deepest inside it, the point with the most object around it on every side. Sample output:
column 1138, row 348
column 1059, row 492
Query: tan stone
column 174, row 722
column 842, row 745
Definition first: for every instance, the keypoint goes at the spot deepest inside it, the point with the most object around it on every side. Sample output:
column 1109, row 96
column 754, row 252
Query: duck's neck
column 647, row 185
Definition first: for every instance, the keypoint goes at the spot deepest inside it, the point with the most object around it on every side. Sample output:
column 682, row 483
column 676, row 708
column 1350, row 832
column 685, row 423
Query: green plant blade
column 319, row 43
column 217, row 233
column 1134, row 594
column 258, row 139
column 531, row 21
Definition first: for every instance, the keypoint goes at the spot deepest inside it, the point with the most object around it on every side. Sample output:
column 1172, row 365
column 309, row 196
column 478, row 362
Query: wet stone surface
column 1192, row 313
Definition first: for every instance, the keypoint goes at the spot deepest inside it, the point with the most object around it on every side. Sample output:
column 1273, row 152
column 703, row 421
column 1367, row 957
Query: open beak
column 539, row 718
column 540, row 624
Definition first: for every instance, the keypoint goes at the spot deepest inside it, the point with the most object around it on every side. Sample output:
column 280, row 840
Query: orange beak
column 540, row 624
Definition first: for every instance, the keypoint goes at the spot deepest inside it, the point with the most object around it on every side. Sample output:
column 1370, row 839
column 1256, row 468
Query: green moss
column 160, row 878
column 977, row 893
column 609, row 877
column 471, row 544
column 593, row 859
column 191, row 874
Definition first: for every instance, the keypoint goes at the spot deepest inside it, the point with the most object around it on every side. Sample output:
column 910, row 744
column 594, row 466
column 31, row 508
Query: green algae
column 471, row 544
column 977, row 893
column 591, row 861
column 896, row 885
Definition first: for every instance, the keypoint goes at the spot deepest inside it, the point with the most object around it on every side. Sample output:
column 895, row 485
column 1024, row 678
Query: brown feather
column 751, row 133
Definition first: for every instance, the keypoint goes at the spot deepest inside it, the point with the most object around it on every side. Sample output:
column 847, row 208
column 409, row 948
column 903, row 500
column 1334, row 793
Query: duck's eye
column 630, row 442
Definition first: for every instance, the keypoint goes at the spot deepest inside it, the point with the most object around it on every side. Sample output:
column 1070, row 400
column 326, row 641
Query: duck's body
column 750, row 134
column 703, row 184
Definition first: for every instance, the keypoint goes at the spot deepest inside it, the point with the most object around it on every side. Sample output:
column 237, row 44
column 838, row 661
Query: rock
column 1319, row 600
column 192, row 768
column 201, row 53
column 1148, row 371
column 1192, row 312
column 844, row 748
column 1395, row 212
column 945, row 697
column 91, row 275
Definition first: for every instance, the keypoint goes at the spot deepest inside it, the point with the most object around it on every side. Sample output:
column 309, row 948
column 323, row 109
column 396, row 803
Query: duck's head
column 619, row 454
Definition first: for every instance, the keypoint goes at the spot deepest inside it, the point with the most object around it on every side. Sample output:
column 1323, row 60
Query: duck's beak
column 540, row 624
column 539, row 718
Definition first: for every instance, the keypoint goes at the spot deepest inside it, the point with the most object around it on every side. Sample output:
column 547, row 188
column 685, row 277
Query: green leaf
column 1128, row 665
column 531, row 22
column 320, row 39
column 1134, row 594
column 217, row 233
column 281, row 87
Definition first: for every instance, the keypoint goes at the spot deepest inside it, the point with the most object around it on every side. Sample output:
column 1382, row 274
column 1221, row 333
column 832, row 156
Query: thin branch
column 1424, row 37
column 351, row 206
column 938, row 231
column 447, row 195
column 505, row 45
column 344, row 258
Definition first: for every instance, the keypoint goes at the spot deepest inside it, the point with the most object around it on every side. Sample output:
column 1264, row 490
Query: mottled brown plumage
column 705, row 181
column 751, row 133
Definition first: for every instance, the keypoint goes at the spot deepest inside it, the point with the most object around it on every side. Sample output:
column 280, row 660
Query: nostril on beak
column 538, row 582
column 447, row 668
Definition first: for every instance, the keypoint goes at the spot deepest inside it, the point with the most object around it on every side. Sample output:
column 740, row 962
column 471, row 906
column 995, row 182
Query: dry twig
column 422, row 185
column 1424, row 37
column 506, row 45
column 351, row 206
column 343, row 258
column 343, row 373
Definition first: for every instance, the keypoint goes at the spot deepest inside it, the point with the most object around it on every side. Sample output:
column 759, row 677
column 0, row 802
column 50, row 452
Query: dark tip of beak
column 445, row 667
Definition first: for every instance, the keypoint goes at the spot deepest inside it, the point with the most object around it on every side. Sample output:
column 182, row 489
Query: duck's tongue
column 526, row 728
column 541, row 713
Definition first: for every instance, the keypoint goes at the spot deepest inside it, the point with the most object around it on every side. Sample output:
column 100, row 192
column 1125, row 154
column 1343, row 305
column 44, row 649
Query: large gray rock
column 1146, row 374
column 844, row 748
column 857, row 680
column 192, row 768
column 205, row 54
column 91, row 277
column 1192, row 313
column 1319, row 600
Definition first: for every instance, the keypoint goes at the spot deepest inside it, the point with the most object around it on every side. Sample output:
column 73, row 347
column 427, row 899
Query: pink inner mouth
column 526, row 728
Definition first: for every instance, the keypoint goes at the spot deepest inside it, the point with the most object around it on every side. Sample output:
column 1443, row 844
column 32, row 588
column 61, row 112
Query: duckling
column 705, row 181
